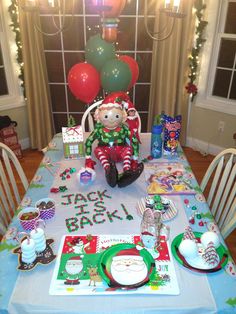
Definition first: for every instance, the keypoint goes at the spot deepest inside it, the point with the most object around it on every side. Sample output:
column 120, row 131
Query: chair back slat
column 86, row 114
column 228, row 195
column 11, row 173
column 221, row 186
column 224, row 217
column 90, row 122
column 230, row 221
column 5, row 210
column 17, row 166
column 6, row 190
column 222, row 195
column 11, row 176
column 215, row 182
column 3, row 229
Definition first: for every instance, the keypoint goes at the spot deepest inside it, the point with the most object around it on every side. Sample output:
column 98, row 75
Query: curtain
column 36, row 81
column 170, row 69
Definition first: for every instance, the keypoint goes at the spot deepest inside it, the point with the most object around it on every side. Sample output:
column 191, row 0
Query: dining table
column 118, row 212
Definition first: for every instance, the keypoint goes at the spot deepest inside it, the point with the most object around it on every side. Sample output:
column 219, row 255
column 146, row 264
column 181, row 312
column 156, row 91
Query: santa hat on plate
column 116, row 99
column 75, row 258
column 132, row 253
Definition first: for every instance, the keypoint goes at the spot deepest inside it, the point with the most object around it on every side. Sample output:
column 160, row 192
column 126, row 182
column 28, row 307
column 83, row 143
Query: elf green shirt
column 106, row 137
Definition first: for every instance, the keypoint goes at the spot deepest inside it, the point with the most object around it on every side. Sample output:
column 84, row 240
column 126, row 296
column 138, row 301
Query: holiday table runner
column 112, row 264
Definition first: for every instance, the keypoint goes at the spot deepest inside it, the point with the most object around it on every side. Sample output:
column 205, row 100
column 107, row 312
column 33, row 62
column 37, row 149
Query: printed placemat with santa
column 112, row 264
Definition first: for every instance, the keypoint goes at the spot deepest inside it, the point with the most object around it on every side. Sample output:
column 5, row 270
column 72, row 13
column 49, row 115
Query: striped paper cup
column 46, row 207
column 28, row 217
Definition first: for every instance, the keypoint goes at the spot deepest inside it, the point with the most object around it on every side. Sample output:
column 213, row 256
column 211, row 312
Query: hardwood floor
column 199, row 164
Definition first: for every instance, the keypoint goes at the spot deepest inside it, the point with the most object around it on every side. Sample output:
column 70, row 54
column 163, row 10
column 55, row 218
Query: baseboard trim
column 203, row 147
column 25, row 143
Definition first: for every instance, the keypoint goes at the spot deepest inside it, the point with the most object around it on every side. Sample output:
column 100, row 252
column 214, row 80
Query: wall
column 20, row 116
column 203, row 134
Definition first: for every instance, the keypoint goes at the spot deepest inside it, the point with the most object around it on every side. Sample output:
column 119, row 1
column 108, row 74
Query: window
column 65, row 50
column 10, row 92
column 218, row 86
column 3, row 86
column 74, row 149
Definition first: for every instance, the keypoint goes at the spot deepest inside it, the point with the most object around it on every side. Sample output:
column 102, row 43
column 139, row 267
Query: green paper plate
column 104, row 265
column 221, row 251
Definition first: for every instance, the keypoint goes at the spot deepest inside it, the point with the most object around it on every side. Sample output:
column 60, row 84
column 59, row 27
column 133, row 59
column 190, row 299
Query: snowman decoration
column 149, row 242
column 128, row 269
column 77, row 246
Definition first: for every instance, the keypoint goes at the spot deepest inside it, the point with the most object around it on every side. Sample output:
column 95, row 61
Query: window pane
column 126, row 34
column 233, row 88
column 227, row 53
column 222, row 81
column 230, row 24
column 3, row 85
column 1, row 58
column 50, row 42
column 144, row 41
column 66, row 49
column 144, row 61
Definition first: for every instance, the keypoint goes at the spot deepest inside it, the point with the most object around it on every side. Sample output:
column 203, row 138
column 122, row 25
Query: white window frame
column 74, row 149
column 7, row 38
column 216, row 14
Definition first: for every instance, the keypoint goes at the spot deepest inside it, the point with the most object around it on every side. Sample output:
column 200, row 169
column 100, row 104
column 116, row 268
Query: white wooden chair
column 87, row 115
column 222, row 193
column 11, row 175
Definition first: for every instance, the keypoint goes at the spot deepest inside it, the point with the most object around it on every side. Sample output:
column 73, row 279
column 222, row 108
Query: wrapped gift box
column 10, row 140
column 10, row 130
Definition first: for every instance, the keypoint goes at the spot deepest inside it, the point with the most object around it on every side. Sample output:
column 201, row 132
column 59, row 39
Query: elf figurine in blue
column 115, row 143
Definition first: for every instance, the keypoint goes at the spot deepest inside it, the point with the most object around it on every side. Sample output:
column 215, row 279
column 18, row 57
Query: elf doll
column 132, row 120
column 115, row 143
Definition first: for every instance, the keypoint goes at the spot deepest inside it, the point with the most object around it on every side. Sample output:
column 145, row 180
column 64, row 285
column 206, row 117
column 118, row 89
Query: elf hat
column 116, row 99
column 131, row 253
column 130, row 106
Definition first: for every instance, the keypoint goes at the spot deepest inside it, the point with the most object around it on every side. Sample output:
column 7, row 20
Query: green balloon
column 98, row 51
column 115, row 76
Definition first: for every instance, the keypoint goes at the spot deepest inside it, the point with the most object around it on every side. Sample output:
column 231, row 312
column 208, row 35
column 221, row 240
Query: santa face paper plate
column 124, row 266
column 187, row 257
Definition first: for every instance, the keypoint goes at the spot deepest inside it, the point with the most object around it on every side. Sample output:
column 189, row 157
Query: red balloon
column 134, row 69
column 84, row 81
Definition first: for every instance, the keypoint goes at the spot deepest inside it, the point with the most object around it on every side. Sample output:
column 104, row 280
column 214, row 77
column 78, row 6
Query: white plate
column 199, row 262
column 168, row 214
